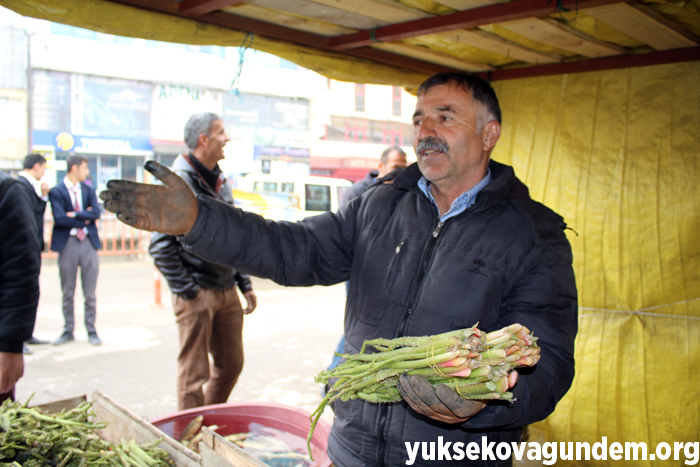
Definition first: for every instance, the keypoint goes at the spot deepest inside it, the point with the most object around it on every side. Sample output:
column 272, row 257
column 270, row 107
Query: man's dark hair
column 32, row 159
column 74, row 160
column 196, row 125
column 387, row 151
column 479, row 88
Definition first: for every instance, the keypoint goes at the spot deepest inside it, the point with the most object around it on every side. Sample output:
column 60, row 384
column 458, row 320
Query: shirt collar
column 211, row 177
column 36, row 184
column 31, row 179
column 70, row 185
column 462, row 202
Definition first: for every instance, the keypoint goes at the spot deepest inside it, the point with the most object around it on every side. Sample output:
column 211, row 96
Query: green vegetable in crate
column 476, row 365
column 31, row 438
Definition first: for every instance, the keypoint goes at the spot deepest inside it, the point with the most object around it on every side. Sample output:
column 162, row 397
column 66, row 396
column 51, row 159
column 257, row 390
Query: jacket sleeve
column 59, row 208
column 92, row 211
column 544, row 298
column 20, row 261
column 165, row 250
column 38, row 204
column 315, row 251
column 244, row 283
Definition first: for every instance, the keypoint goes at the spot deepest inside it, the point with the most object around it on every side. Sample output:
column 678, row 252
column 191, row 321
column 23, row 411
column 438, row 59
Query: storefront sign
column 281, row 153
column 116, row 107
column 174, row 104
column 66, row 142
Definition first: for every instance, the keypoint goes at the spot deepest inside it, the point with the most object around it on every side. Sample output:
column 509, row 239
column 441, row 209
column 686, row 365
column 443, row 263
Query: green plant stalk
column 462, row 381
column 493, row 354
column 72, row 423
column 469, row 390
column 433, row 371
column 392, row 344
column 493, row 396
column 360, row 371
column 430, row 345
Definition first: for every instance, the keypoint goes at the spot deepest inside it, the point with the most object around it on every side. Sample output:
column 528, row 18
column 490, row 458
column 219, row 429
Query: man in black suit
column 30, row 177
column 75, row 238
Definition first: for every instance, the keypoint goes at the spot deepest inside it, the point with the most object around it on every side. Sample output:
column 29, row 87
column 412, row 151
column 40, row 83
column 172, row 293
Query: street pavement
column 289, row 338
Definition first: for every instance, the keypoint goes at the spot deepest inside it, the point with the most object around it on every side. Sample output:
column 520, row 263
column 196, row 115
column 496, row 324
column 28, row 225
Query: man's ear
column 490, row 135
column 202, row 139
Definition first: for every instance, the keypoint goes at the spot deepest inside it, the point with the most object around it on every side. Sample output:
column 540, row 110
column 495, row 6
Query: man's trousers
column 76, row 254
column 211, row 323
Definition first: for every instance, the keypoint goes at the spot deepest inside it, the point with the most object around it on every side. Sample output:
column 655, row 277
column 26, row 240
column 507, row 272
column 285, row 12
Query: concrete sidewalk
column 288, row 339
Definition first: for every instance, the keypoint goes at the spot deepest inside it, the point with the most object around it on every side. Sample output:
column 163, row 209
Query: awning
column 402, row 42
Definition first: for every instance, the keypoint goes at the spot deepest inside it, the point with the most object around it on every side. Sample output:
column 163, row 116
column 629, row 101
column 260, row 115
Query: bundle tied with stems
column 475, row 364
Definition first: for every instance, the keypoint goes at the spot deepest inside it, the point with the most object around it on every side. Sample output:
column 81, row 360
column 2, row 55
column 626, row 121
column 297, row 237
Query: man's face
column 81, row 171
column 394, row 160
column 216, row 140
column 39, row 170
column 452, row 150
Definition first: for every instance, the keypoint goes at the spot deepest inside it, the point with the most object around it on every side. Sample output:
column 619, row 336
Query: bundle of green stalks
column 30, row 437
column 475, row 364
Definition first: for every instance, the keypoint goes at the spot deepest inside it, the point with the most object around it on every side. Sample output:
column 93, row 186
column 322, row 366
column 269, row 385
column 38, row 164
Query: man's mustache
column 432, row 143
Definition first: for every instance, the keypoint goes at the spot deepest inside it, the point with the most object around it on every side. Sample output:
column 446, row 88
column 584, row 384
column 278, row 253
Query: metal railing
column 117, row 238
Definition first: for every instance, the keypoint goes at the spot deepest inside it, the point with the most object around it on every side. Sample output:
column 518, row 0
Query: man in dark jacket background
column 205, row 300
column 448, row 242
column 33, row 170
column 392, row 158
column 20, row 262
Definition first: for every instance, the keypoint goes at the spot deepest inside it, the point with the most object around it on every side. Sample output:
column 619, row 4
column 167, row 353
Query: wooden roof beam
column 290, row 35
column 202, row 7
column 689, row 54
column 465, row 19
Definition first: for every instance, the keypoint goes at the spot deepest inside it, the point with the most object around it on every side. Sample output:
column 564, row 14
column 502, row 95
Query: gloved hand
column 440, row 403
column 169, row 208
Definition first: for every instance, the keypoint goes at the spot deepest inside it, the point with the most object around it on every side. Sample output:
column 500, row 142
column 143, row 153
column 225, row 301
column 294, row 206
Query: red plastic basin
column 236, row 417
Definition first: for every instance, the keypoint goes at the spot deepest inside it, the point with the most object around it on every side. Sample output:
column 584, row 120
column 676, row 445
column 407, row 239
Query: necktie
column 82, row 233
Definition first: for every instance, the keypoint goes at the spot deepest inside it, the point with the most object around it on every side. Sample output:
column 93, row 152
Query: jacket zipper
column 403, row 324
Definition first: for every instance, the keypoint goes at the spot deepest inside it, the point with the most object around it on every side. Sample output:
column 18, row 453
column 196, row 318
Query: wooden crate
column 123, row 424
column 215, row 451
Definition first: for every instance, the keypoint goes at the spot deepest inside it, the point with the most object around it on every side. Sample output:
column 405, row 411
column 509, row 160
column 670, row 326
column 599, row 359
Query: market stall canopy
column 400, row 42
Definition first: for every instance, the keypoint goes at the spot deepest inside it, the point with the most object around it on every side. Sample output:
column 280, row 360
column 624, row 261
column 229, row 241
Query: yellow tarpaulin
column 617, row 153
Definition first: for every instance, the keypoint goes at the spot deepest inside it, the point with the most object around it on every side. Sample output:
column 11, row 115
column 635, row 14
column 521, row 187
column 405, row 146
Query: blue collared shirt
column 462, row 202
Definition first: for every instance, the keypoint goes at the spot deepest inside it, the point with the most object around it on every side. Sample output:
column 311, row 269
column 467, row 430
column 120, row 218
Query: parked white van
column 315, row 194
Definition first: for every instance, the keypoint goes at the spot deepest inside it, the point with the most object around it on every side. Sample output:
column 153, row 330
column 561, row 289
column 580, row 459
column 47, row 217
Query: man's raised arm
column 169, row 208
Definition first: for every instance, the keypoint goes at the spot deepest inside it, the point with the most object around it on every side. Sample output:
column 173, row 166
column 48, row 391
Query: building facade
column 120, row 101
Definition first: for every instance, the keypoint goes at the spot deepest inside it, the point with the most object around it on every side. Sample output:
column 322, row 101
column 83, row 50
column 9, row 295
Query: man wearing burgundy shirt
column 75, row 238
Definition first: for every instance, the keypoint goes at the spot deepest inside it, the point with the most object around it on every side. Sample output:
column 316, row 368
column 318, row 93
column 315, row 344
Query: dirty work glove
column 440, row 403
column 169, row 208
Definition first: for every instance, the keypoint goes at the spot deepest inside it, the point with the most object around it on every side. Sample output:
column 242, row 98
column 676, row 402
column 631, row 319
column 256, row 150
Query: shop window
column 166, row 159
column 107, row 170
column 396, row 101
column 92, row 165
column 287, row 187
column 132, row 168
column 318, row 197
column 359, row 97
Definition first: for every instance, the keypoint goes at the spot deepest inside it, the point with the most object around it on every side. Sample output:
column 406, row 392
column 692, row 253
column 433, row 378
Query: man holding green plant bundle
column 448, row 242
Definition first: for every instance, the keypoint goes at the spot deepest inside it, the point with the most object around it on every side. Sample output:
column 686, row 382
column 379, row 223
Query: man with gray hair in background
column 207, row 308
